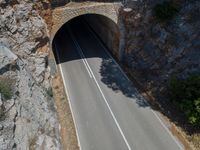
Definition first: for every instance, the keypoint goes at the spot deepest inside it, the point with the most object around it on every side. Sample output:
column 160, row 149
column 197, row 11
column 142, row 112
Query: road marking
column 84, row 60
column 165, row 127
column 105, row 100
column 70, row 105
column 91, row 73
column 155, row 114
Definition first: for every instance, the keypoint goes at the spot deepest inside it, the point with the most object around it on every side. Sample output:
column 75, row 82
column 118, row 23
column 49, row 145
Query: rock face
column 155, row 51
column 6, row 56
column 28, row 120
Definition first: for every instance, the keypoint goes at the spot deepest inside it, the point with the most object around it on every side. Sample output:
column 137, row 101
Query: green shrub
column 185, row 94
column 165, row 11
column 6, row 88
column 50, row 92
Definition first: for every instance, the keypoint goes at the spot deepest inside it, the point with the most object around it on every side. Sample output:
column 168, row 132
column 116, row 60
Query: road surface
column 108, row 111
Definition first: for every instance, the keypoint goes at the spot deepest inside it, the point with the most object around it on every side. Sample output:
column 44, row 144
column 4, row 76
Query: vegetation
column 166, row 10
column 185, row 94
column 6, row 88
column 50, row 92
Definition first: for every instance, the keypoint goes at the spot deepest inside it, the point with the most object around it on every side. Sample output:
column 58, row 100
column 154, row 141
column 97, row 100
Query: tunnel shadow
column 118, row 82
column 110, row 73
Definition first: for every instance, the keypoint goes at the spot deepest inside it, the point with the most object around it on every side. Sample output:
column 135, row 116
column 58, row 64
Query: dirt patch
column 67, row 130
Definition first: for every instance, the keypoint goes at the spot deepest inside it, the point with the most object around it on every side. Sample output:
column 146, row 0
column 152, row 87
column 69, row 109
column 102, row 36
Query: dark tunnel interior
column 104, row 29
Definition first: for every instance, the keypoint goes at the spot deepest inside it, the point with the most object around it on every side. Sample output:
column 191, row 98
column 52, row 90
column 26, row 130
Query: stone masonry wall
column 72, row 10
column 107, row 30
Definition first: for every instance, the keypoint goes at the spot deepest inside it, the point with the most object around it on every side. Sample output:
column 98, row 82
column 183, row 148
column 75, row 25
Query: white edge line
column 112, row 114
column 168, row 131
column 161, row 122
column 70, row 105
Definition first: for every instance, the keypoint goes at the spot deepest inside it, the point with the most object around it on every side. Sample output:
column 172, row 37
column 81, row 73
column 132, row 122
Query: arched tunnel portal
column 102, row 18
column 106, row 30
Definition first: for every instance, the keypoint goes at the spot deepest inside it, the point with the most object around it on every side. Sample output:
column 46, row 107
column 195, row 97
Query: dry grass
column 195, row 139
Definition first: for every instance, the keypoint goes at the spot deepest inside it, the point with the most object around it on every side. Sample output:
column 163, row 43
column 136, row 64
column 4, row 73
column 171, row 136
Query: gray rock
column 1, row 102
column 27, row 47
column 35, row 116
column 1, row 127
column 38, row 28
column 2, row 2
column 7, row 126
column 6, row 56
column 1, row 105
column 22, row 11
column 31, row 114
column 164, row 48
column 40, row 69
column 47, row 143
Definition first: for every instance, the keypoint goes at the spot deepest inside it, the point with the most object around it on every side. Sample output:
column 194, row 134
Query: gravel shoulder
column 67, row 129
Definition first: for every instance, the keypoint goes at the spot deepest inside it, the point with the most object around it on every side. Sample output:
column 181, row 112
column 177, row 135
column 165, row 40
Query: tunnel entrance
column 101, row 27
column 82, row 49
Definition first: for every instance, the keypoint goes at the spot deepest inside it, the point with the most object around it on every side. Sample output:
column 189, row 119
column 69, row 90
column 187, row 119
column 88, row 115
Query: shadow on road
column 114, row 79
column 109, row 71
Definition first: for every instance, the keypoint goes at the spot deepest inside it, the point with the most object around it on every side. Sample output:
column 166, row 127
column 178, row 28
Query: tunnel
column 101, row 27
column 86, row 49
column 89, row 45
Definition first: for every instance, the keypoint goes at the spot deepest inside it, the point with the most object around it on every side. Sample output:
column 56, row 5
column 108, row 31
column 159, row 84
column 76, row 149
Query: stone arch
column 109, row 10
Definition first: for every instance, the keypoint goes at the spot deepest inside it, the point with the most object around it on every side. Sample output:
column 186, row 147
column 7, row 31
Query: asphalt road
column 108, row 111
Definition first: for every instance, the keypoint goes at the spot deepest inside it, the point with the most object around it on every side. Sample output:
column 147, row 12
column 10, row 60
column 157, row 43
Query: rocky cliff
column 28, row 119
column 157, row 50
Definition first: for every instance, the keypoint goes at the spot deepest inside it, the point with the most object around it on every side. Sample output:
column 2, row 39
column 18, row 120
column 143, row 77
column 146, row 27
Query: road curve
column 108, row 111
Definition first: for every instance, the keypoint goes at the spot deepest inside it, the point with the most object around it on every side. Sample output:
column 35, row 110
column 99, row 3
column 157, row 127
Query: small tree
column 165, row 11
column 6, row 88
column 185, row 94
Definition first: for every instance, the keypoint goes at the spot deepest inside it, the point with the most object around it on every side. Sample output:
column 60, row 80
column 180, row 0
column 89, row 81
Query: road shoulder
column 67, row 128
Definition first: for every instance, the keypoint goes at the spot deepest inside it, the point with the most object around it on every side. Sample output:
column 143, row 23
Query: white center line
column 107, row 104
column 82, row 56
column 156, row 115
